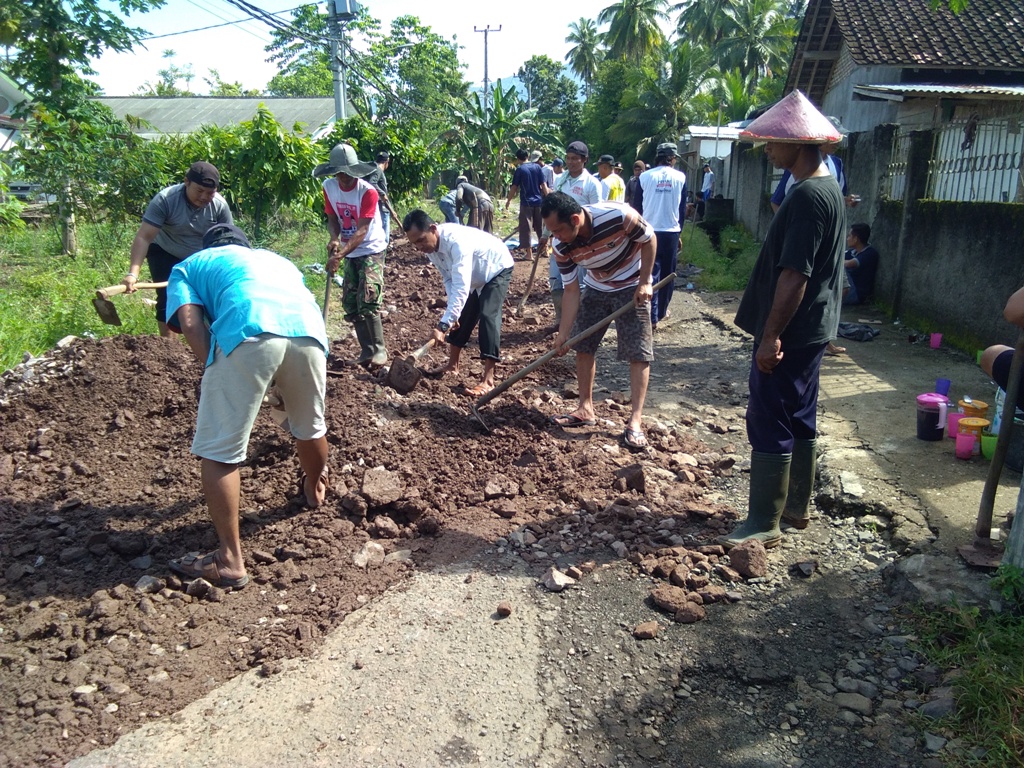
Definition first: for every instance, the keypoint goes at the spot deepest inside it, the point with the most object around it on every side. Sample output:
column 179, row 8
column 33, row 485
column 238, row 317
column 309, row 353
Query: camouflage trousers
column 363, row 291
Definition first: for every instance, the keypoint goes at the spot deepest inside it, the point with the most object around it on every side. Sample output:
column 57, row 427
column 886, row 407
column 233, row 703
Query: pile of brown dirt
column 98, row 490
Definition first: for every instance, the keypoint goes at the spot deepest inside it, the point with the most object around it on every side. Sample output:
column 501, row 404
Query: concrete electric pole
column 486, row 30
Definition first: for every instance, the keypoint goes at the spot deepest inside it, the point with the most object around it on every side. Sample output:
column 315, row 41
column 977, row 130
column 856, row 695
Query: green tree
column 658, row 105
column 485, row 138
column 702, row 21
column 304, row 66
column 586, row 53
column 758, row 38
column 633, row 33
column 602, row 109
column 547, row 87
column 169, row 76
column 53, row 42
column 218, row 87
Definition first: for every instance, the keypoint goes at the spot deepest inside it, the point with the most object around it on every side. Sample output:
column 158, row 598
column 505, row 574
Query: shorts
column 636, row 337
column 1001, row 374
column 160, row 265
column 234, row 386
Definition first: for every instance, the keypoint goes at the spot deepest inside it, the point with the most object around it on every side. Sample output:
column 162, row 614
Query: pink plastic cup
column 965, row 446
column 953, row 426
column 936, row 340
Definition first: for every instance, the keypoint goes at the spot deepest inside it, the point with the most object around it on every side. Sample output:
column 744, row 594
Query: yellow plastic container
column 973, row 426
column 974, row 409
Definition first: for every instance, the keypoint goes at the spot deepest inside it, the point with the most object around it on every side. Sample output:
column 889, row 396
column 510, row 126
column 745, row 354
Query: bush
column 724, row 270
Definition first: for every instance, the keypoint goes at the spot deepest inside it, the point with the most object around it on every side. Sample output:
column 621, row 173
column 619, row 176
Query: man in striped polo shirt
column 616, row 248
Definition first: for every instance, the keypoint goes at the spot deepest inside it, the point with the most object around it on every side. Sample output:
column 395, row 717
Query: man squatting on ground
column 252, row 323
column 528, row 181
column 357, row 240
column 617, row 248
column 661, row 200
column 476, row 269
column 583, row 187
column 172, row 229
column 481, row 209
column 791, row 307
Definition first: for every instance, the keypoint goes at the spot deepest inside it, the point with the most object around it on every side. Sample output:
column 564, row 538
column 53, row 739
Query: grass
column 724, row 270
column 985, row 653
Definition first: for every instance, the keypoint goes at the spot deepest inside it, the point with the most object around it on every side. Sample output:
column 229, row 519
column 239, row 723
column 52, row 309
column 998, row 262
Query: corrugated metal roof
column 712, row 131
column 988, row 91
column 185, row 114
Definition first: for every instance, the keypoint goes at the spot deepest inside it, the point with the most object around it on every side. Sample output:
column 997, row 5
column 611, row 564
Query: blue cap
column 558, row 161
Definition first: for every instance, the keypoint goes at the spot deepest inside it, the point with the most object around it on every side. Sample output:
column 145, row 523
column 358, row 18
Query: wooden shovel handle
column 116, row 290
column 415, row 356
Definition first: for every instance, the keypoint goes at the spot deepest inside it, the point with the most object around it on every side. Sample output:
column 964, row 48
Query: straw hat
column 794, row 120
column 343, row 160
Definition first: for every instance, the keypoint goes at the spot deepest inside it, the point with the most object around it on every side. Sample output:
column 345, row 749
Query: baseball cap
column 668, row 149
column 224, row 234
column 204, row 174
column 535, row 156
column 605, row 159
column 578, row 148
column 558, row 161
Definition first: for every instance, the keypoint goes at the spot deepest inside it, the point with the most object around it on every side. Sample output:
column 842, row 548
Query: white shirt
column 467, row 259
column 663, row 189
column 359, row 202
column 585, row 189
column 709, row 182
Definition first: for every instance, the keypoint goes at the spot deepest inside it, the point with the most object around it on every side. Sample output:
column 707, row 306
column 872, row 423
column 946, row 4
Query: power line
column 225, row 24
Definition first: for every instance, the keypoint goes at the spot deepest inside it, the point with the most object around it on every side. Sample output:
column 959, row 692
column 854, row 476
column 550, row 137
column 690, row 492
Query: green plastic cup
column 988, row 445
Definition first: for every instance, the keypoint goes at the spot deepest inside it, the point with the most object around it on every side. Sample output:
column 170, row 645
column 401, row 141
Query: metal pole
column 486, row 30
column 342, row 65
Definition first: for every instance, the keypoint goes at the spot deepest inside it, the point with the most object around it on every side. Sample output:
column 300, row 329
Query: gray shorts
column 636, row 339
column 234, row 386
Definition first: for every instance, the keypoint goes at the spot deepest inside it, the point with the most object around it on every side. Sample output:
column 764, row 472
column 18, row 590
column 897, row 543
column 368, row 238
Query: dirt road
column 371, row 634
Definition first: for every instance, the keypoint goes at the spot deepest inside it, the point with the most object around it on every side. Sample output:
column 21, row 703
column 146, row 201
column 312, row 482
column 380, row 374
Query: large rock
column 854, row 702
column 669, row 598
column 555, row 581
column 690, row 613
column 749, row 559
column 500, row 487
column 381, row 486
column 372, row 553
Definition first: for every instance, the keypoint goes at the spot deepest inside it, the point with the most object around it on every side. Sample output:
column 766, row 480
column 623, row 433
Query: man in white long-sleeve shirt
column 476, row 268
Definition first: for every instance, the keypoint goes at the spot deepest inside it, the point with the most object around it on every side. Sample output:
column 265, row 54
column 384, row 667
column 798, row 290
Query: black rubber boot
column 769, row 482
column 801, row 484
column 365, row 343
column 556, row 301
column 378, row 351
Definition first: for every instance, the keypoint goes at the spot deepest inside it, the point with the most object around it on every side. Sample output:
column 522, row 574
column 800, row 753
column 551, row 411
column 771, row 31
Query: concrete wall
column 861, row 115
column 945, row 266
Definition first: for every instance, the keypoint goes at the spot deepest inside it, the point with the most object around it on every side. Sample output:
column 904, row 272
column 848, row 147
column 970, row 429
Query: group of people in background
column 255, row 328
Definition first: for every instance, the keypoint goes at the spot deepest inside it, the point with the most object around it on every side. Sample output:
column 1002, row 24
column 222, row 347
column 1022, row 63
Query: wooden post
column 915, row 187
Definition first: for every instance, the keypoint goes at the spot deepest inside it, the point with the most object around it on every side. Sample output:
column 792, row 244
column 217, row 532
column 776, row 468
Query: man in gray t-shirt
column 172, row 229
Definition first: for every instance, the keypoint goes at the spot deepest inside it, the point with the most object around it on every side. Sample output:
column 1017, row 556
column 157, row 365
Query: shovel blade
column 107, row 311
column 403, row 376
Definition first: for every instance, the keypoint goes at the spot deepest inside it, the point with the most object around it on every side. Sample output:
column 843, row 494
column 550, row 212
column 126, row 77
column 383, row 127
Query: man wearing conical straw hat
column 791, row 307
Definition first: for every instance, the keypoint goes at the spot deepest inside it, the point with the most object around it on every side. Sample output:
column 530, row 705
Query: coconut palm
column 758, row 38
column 702, row 21
column 661, row 96
column 633, row 31
column 586, row 52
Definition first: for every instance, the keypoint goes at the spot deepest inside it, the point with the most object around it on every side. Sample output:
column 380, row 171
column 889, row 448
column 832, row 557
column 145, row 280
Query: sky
column 528, row 27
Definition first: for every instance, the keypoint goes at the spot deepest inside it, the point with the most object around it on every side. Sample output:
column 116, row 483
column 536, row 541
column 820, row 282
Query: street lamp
column 340, row 12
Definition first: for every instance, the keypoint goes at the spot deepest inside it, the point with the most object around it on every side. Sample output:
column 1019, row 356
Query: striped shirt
column 611, row 255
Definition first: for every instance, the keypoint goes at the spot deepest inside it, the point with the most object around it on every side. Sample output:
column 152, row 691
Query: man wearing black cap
column 172, row 229
column 661, row 199
column 380, row 183
column 612, row 186
column 253, row 324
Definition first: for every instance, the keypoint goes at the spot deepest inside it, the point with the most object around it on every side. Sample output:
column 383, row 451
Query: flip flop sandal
column 195, row 566
column 572, row 420
column 323, row 479
column 634, row 439
column 478, row 391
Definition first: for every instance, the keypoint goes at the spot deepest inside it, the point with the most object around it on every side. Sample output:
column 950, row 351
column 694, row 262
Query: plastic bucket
column 931, row 416
column 975, row 409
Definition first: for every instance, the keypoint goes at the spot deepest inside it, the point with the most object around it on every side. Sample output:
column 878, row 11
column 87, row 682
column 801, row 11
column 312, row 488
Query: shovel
column 529, row 284
column 403, row 375
column 484, row 399
column 105, row 307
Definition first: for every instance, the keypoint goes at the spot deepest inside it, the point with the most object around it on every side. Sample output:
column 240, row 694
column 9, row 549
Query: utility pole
column 486, row 30
column 338, row 13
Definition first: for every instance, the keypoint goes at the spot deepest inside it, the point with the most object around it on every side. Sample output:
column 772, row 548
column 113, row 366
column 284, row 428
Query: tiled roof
column 989, row 34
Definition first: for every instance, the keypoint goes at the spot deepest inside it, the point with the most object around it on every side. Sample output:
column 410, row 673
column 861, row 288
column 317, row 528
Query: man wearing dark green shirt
column 791, row 307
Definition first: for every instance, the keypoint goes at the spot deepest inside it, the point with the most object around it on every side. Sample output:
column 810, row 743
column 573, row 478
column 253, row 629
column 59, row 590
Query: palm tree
column 633, row 31
column 759, row 38
column 703, row 21
column 586, row 53
column 662, row 96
